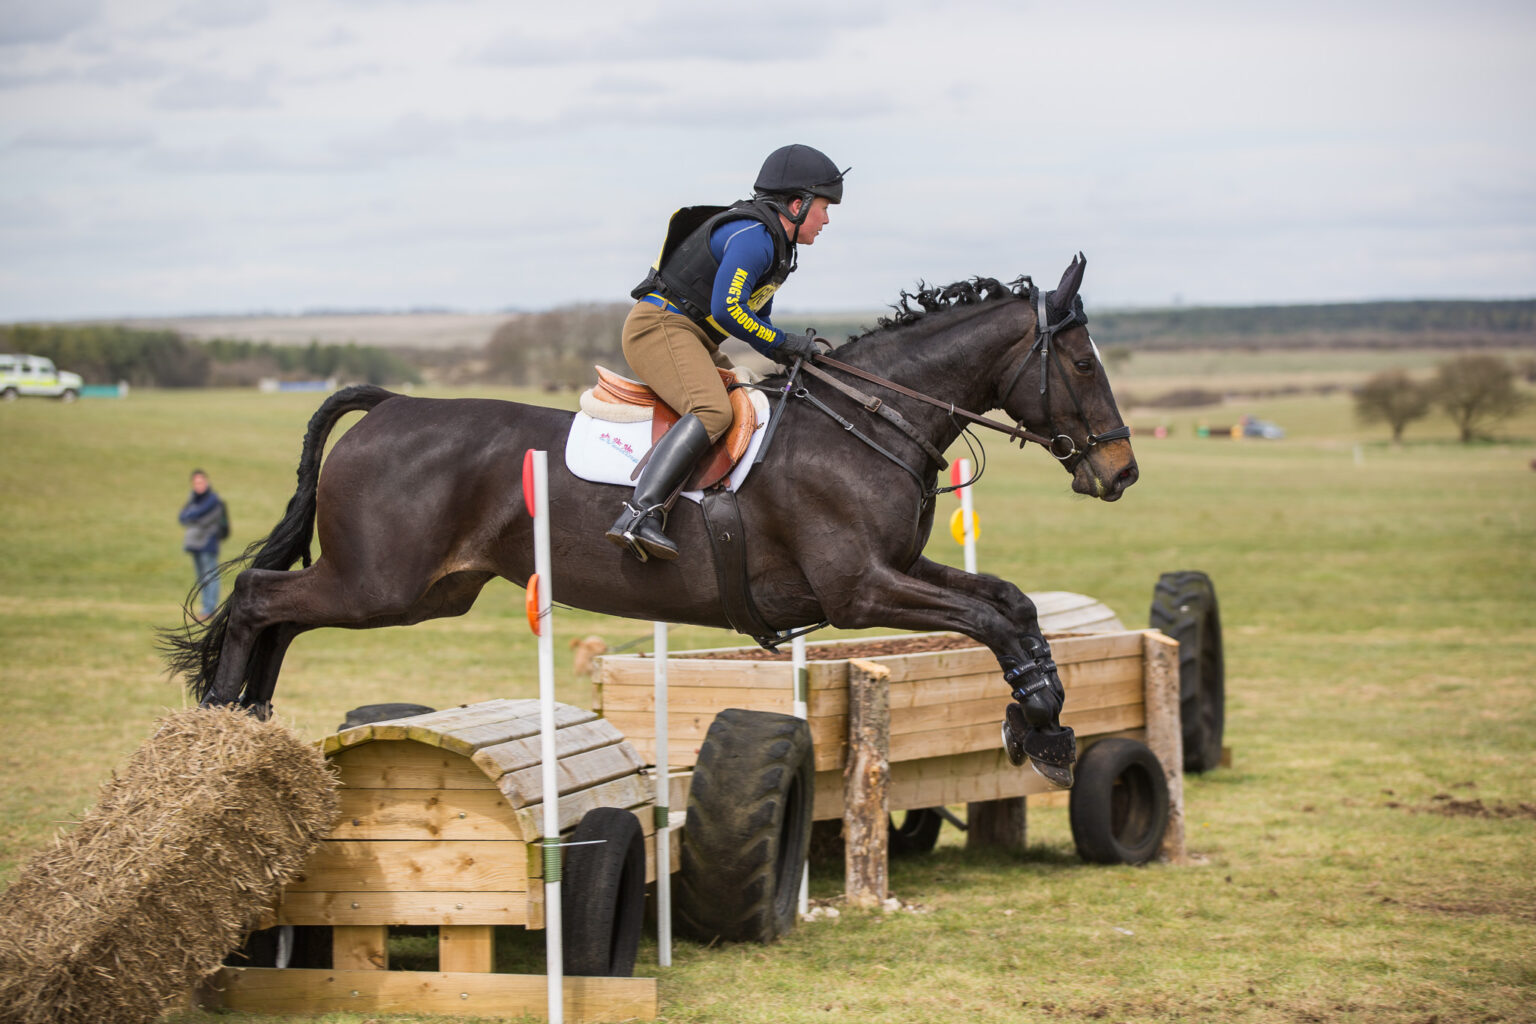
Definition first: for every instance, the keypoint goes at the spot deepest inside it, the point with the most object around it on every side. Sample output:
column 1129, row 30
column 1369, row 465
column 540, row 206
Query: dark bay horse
column 420, row 505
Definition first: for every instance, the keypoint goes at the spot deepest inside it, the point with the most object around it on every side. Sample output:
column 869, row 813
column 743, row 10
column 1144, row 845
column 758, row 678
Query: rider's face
column 815, row 219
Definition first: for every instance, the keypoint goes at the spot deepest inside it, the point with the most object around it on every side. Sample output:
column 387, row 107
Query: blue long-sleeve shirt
column 737, row 306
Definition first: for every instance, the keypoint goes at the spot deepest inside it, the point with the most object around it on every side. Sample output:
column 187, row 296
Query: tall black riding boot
column 638, row 527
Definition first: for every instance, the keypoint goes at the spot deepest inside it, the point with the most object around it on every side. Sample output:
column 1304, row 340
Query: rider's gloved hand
column 794, row 346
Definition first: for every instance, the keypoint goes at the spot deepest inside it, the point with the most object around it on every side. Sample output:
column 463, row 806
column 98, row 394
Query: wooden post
column 866, row 784
column 360, row 948
column 1165, row 732
column 996, row 824
column 465, row 947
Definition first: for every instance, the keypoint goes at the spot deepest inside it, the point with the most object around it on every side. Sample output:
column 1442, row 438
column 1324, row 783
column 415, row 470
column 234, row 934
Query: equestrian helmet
column 800, row 171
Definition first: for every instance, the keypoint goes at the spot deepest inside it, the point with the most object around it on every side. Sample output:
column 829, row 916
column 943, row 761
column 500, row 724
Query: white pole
column 802, row 677
column 551, row 784
column 967, row 513
column 663, row 829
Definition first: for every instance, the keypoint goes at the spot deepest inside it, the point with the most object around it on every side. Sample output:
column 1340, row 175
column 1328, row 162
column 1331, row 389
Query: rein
column 1062, row 446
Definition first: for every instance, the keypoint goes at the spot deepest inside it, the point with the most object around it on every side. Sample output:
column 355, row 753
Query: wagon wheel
column 602, row 896
column 917, row 833
column 1184, row 607
column 1119, row 803
column 748, row 828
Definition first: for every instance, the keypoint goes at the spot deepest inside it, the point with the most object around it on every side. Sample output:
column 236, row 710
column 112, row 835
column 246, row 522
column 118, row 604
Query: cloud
column 222, row 13
column 212, row 90
column 84, row 137
column 45, row 21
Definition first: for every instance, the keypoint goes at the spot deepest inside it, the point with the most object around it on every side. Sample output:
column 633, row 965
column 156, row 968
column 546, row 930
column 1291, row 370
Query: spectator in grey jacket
column 201, row 516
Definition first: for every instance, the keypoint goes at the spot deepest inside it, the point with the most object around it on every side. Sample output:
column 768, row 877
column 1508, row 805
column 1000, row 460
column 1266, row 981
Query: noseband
column 1062, row 446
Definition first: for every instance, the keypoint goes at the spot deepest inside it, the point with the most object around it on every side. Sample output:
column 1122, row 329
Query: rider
column 715, row 276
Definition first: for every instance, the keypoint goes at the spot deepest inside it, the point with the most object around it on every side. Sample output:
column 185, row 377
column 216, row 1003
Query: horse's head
column 1055, row 384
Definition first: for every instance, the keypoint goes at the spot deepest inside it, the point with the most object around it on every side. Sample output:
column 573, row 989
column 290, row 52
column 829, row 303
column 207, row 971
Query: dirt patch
column 877, row 648
column 1448, row 806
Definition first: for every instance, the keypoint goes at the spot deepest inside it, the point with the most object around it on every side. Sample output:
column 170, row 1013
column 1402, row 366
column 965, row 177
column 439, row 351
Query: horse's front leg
column 1032, row 726
column 935, row 598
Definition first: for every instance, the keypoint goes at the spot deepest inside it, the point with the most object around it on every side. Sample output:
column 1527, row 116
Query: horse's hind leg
column 269, row 608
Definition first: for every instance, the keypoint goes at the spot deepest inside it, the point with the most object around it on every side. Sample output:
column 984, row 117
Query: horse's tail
column 193, row 652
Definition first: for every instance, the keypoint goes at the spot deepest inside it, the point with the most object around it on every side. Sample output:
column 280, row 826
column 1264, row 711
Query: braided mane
column 938, row 299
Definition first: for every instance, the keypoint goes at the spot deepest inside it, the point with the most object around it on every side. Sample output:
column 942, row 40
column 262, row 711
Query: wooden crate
column 440, row 824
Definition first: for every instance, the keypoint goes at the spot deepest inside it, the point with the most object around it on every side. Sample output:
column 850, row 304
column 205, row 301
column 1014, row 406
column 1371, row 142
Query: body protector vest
column 684, row 271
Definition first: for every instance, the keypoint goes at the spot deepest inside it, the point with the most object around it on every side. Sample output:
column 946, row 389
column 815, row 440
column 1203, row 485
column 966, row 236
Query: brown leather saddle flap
column 724, row 453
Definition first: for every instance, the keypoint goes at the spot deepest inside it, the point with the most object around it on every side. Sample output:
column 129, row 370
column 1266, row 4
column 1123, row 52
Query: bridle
column 1044, row 332
column 1062, row 446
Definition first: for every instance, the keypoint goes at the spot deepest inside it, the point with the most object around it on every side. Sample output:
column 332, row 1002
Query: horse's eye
column 1084, row 365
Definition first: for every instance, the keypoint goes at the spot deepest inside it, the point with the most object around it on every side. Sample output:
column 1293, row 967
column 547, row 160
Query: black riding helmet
column 799, row 172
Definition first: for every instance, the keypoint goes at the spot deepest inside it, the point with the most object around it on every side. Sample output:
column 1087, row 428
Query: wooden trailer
column 942, row 716
column 440, row 825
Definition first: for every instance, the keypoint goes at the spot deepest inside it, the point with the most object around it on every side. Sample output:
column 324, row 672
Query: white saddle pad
column 606, row 452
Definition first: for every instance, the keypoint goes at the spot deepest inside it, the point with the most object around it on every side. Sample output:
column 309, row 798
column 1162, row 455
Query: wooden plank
column 683, row 671
column 1165, row 735
column 866, row 783
column 360, row 948
column 402, row 764
column 464, row 948
column 628, row 791
column 408, row 866
column 397, row 728
column 424, row 814
column 706, row 700
column 573, row 773
column 685, row 734
column 313, row 993
column 498, row 759
column 467, row 738
column 397, row 908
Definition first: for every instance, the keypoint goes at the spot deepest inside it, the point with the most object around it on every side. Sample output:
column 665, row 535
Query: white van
column 34, row 375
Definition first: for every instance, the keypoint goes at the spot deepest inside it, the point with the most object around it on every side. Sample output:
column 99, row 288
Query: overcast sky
column 160, row 157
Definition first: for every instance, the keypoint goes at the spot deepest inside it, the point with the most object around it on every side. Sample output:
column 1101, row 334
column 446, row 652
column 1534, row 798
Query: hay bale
column 177, row 861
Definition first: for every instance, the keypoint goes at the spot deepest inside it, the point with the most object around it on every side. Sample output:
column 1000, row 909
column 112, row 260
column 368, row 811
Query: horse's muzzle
column 1105, row 478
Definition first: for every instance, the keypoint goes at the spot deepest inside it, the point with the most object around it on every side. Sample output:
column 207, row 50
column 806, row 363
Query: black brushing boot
column 1032, row 729
column 638, row 527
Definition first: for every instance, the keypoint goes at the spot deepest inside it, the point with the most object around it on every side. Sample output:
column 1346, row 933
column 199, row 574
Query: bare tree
column 1474, row 390
column 1394, row 398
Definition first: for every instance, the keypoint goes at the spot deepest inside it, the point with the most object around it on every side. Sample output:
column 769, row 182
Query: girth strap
column 728, row 543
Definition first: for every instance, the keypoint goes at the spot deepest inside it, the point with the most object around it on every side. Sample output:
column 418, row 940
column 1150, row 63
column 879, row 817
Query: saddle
column 617, row 398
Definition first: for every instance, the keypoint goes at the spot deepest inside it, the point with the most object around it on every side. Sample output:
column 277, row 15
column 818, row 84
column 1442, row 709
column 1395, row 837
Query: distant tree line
column 1473, row 390
column 557, row 349
column 108, row 353
column 1427, row 323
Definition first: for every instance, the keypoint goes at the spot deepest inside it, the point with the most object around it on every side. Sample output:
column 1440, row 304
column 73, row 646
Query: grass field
column 1370, row 856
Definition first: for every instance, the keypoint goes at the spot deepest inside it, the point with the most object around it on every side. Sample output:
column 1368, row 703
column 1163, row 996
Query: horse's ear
column 1071, row 281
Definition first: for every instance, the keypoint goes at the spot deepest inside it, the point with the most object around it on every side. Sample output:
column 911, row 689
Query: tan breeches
column 676, row 358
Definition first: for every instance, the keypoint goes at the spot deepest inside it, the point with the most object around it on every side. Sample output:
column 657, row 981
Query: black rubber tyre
column 1119, row 803
column 1184, row 606
column 748, row 829
column 370, row 713
column 602, row 894
column 917, row 833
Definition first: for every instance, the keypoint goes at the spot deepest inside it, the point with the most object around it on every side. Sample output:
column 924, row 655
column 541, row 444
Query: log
column 996, row 824
column 1165, row 734
column 866, row 784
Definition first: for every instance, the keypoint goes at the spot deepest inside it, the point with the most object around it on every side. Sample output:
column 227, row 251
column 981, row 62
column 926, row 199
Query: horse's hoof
column 1052, row 755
